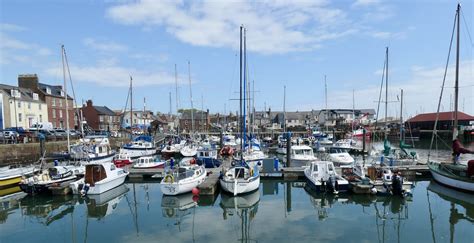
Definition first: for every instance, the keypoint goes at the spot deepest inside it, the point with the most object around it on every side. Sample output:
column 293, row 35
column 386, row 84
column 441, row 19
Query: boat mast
column 353, row 113
column 191, row 97
column 241, row 117
column 401, row 115
column 131, row 109
column 143, row 115
column 326, row 98
column 284, row 108
column 177, row 100
column 386, row 91
column 244, row 138
column 63, row 53
column 456, row 80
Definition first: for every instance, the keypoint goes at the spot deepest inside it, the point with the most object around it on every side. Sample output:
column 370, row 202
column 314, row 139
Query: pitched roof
column 443, row 116
column 55, row 90
column 104, row 110
column 26, row 94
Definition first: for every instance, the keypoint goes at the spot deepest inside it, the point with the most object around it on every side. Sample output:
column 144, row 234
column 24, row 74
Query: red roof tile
column 443, row 116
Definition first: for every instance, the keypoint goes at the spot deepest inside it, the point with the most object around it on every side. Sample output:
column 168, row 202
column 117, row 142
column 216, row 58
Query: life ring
column 169, row 179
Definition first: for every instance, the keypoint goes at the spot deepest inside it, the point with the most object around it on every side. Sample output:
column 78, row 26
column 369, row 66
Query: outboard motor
column 331, row 184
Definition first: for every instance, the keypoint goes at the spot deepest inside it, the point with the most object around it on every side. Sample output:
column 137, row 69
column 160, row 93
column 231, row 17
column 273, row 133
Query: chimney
column 28, row 81
column 89, row 103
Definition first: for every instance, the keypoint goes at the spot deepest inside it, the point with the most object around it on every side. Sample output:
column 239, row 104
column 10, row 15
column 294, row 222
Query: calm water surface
column 278, row 212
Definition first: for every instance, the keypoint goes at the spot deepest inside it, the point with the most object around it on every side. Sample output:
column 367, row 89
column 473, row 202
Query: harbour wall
column 26, row 153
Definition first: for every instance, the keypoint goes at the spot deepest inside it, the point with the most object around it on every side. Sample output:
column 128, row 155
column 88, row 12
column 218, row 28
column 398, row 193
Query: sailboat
column 241, row 178
column 454, row 174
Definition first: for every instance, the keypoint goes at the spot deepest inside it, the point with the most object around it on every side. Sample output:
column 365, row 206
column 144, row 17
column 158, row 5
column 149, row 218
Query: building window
column 19, row 117
column 19, row 104
column 41, row 118
column 135, row 121
column 60, row 103
column 53, row 102
column 29, row 105
column 54, row 114
column 39, row 106
column 101, row 118
column 60, row 113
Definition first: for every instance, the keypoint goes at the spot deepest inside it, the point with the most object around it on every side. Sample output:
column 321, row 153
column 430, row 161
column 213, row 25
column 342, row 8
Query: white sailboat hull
column 101, row 186
column 136, row 153
column 182, row 186
column 242, row 186
column 463, row 185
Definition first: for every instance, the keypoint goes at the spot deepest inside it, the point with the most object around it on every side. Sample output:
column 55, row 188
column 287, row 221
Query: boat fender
column 44, row 177
column 169, row 179
column 85, row 189
column 251, row 172
column 232, row 163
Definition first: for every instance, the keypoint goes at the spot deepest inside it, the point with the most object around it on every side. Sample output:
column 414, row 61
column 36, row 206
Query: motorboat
column 40, row 183
column 99, row 178
column 149, row 162
column 92, row 149
column 322, row 177
column 229, row 140
column 122, row 159
column 391, row 183
column 301, row 155
column 345, row 143
column 183, row 179
column 140, row 146
column 339, row 156
column 240, row 178
column 207, row 156
column 11, row 176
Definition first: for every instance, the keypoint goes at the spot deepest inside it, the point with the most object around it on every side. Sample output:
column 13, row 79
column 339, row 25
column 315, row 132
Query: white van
column 41, row 126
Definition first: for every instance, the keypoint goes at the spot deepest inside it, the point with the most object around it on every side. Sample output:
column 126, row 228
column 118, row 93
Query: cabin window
column 330, row 168
column 315, row 168
column 100, row 149
column 112, row 167
column 239, row 172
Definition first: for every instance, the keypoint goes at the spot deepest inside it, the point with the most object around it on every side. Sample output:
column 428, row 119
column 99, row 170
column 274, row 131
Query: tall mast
column 176, row 84
column 191, row 97
column 131, row 100
column 456, row 80
column 143, row 115
column 245, row 89
column 386, row 90
column 63, row 53
column 284, row 108
column 241, row 117
column 326, row 98
column 353, row 111
column 253, row 106
column 401, row 115
column 170, row 106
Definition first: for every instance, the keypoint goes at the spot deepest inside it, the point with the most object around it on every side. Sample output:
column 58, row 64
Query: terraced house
column 55, row 99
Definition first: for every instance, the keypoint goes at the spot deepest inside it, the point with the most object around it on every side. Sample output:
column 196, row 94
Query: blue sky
column 292, row 43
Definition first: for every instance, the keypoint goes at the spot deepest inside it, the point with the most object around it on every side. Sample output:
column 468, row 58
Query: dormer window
column 15, row 93
column 48, row 90
column 35, row 96
column 62, row 93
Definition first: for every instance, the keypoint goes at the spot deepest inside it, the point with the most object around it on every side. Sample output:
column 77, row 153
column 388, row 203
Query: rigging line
column 442, row 87
column 467, row 27
column 380, row 97
column 72, row 88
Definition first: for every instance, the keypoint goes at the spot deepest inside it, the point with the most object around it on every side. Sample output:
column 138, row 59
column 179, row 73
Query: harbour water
column 278, row 212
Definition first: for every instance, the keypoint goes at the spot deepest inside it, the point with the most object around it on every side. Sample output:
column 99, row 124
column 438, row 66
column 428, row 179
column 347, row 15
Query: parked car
column 49, row 134
column 60, row 132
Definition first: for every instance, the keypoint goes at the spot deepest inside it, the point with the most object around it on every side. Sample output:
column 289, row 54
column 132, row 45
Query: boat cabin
column 321, row 170
column 98, row 172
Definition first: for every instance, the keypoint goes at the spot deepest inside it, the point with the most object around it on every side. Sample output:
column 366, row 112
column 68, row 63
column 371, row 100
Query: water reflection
column 101, row 205
column 244, row 207
column 9, row 201
column 178, row 207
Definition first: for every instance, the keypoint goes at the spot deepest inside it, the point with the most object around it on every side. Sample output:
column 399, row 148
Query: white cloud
column 11, row 27
column 422, row 88
column 103, row 45
column 364, row 3
column 107, row 73
column 273, row 26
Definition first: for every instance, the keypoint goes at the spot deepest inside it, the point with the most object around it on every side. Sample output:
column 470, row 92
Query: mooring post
column 288, row 146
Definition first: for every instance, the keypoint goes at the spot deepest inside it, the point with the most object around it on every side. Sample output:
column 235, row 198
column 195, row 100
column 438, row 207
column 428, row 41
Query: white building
column 21, row 107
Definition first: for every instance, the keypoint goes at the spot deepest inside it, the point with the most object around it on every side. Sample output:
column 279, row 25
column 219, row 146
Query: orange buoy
column 195, row 191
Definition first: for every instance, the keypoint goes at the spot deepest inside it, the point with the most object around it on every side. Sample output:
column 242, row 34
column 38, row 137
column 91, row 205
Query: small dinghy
column 183, row 179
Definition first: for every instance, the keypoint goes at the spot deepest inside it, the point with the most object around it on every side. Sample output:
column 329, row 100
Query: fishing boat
column 140, row 146
column 99, row 178
column 40, row 183
column 301, row 155
column 393, row 184
column 149, row 162
column 322, row 177
column 339, row 156
column 207, row 156
column 92, row 149
column 122, row 159
column 11, row 176
column 183, row 179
